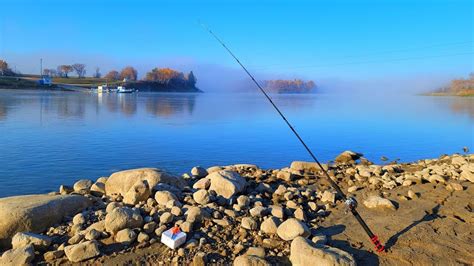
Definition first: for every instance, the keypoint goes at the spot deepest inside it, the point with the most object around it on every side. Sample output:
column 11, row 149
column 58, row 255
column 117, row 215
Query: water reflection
column 77, row 105
column 162, row 106
column 63, row 136
column 463, row 106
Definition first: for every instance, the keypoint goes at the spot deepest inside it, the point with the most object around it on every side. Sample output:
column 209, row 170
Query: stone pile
column 237, row 213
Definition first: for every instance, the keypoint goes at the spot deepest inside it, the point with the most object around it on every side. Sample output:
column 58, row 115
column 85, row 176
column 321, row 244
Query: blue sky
column 344, row 40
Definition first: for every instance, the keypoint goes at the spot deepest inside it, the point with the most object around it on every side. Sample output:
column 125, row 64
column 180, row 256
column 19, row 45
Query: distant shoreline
column 447, row 94
column 84, row 84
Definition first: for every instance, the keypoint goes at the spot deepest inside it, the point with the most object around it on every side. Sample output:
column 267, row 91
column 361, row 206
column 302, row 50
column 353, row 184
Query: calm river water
column 53, row 138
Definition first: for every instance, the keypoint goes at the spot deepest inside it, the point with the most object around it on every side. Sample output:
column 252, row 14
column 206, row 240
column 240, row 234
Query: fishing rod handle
column 378, row 246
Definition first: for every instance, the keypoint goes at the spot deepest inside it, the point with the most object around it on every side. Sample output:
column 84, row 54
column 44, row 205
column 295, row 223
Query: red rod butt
column 378, row 246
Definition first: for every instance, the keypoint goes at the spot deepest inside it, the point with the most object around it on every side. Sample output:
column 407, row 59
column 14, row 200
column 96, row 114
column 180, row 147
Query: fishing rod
column 350, row 202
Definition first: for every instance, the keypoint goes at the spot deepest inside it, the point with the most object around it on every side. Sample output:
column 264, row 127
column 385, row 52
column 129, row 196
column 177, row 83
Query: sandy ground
column 434, row 229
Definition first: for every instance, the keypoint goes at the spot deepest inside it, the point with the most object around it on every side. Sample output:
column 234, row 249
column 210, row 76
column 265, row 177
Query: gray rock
column 18, row 256
column 75, row 239
column 467, row 175
column 378, row 202
column 194, row 214
column 199, row 259
column 436, row 179
column 258, row 211
column 39, row 242
column 53, row 255
column 292, row 228
column 140, row 191
column 82, row 251
column 143, row 237
column 162, row 197
column 98, row 188
column 310, row 167
column 250, row 260
column 125, row 236
column 227, row 183
column 256, row 251
column 64, row 190
column 112, row 206
column 186, row 227
column 121, row 218
column 304, row 253
column 79, row 219
column 328, row 196
column 278, row 211
column 285, row 175
column 243, row 201
column 166, row 218
column 299, row 214
column 92, row 234
column 249, row 223
column 201, row 197
column 348, row 156
column 83, row 186
column 199, row 172
column 149, row 227
column 121, row 182
column 203, row 183
column 36, row 213
column 270, row 225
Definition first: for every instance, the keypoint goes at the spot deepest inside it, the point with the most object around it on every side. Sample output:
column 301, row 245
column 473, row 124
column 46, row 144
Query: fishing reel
column 351, row 204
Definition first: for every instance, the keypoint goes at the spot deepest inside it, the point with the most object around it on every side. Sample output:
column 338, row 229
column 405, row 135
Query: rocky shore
column 244, row 215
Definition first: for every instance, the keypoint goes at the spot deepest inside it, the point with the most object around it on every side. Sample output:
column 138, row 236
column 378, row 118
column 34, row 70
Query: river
column 51, row 138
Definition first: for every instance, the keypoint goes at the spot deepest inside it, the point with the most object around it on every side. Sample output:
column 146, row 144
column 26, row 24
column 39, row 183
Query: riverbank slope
column 421, row 211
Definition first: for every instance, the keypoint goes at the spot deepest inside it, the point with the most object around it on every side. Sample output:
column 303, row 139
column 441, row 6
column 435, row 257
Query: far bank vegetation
column 289, row 86
column 458, row 87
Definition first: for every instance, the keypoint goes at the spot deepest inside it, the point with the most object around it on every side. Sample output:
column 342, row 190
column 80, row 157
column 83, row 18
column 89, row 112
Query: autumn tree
column 112, row 75
column 129, row 73
column 97, row 73
column 65, row 70
column 3, row 68
column 163, row 75
column 80, row 69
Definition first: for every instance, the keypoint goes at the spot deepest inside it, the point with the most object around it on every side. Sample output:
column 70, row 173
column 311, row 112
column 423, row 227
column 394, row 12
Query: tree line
column 289, row 86
column 165, row 76
column 461, row 84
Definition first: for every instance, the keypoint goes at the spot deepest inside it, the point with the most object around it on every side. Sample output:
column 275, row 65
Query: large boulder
column 305, row 253
column 82, row 251
column 121, row 218
column 36, row 213
column 292, row 228
column 348, row 157
column 121, row 182
column 227, row 183
column 18, row 256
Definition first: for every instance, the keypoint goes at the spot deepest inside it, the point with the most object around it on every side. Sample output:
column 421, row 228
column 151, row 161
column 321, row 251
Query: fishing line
column 350, row 202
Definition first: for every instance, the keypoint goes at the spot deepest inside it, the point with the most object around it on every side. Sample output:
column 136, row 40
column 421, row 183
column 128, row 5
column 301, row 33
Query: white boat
column 122, row 89
column 101, row 89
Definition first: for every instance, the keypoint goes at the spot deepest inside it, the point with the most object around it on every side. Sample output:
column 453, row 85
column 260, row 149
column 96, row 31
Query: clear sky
column 312, row 39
